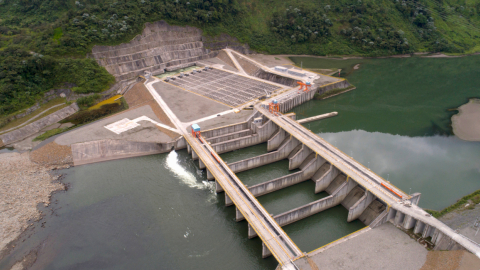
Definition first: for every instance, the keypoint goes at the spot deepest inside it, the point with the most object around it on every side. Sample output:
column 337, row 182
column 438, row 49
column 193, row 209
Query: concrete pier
column 306, row 172
column 324, row 177
column 283, row 151
column 317, row 117
column 296, row 159
column 356, row 210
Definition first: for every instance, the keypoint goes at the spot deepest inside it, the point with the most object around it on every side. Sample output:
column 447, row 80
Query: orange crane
column 274, row 107
column 307, row 86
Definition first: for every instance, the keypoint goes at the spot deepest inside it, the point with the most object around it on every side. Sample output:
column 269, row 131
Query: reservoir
column 398, row 122
column 160, row 212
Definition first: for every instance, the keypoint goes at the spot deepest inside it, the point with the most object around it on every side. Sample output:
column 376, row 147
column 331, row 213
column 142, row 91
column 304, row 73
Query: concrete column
column 428, row 231
column 251, row 232
column 409, row 222
column 194, row 155
column 218, row 187
column 399, row 218
column 391, row 214
column 324, row 181
column 265, row 251
column 419, row 226
column 189, row 149
column 238, row 215
column 415, row 198
column 228, row 201
column 436, row 236
column 201, row 165
column 180, row 143
column 209, row 175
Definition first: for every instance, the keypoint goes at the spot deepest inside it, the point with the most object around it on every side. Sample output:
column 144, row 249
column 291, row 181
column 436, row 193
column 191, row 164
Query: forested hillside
column 43, row 43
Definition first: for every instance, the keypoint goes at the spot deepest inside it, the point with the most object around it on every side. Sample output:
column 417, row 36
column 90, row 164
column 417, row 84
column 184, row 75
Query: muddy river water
column 160, row 212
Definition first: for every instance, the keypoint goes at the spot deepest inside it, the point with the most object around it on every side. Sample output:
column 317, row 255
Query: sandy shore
column 23, row 185
column 466, row 124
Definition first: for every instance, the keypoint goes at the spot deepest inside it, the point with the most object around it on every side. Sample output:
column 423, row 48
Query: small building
column 297, row 73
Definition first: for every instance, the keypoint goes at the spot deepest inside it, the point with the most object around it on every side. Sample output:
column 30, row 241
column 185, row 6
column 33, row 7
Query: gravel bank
column 52, row 154
column 23, row 184
column 466, row 124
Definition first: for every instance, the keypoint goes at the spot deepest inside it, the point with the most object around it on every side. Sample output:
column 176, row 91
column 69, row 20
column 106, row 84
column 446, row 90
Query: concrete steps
column 353, row 197
column 372, row 212
column 336, row 183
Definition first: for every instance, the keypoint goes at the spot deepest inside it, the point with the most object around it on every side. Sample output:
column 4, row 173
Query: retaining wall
column 103, row 150
column 36, row 126
column 160, row 46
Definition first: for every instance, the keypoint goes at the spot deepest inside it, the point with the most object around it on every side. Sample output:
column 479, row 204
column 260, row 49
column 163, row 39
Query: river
column 398, row 122
column 160, row 212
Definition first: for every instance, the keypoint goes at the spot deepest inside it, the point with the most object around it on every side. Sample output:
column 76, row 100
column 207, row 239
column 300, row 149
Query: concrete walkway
column 31, row 119
column 384, row 247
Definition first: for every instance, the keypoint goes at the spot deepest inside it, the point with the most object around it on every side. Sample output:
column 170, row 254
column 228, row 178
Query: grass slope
column 44, row 43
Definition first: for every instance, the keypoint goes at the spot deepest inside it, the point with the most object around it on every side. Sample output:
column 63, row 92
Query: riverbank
column 23, row 185
column 344, row 57
column 466, row 124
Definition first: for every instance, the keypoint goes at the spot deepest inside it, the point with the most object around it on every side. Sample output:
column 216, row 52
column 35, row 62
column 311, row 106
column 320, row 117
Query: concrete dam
column 239, row 82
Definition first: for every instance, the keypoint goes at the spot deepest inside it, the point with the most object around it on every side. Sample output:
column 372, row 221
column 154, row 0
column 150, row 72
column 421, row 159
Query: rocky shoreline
column 24, row 184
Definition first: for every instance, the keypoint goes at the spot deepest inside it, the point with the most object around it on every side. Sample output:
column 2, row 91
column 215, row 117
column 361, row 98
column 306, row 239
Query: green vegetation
column 43, row 44
column 49, row 134
column 472, row 199
column 332, row 92
column 4, row 125
column 86, row 116
column 24, row 77
column 88, row 101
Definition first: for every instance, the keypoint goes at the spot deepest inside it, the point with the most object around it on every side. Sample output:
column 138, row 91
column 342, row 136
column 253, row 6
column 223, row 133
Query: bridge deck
column 344, row 163
column 272, row 235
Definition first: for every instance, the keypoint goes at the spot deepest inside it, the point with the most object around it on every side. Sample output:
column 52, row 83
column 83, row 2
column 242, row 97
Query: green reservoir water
column 160, row 212
column 397, row 122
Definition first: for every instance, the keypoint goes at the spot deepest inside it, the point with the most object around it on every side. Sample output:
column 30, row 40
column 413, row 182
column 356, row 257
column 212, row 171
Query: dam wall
column 104, row 150
column 288, row 103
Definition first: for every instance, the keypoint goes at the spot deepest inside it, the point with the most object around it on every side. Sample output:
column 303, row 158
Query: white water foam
column 189, row 178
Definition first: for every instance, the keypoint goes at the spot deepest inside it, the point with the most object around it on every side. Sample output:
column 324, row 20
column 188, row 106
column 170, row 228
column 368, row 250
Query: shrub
column 88, row 101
